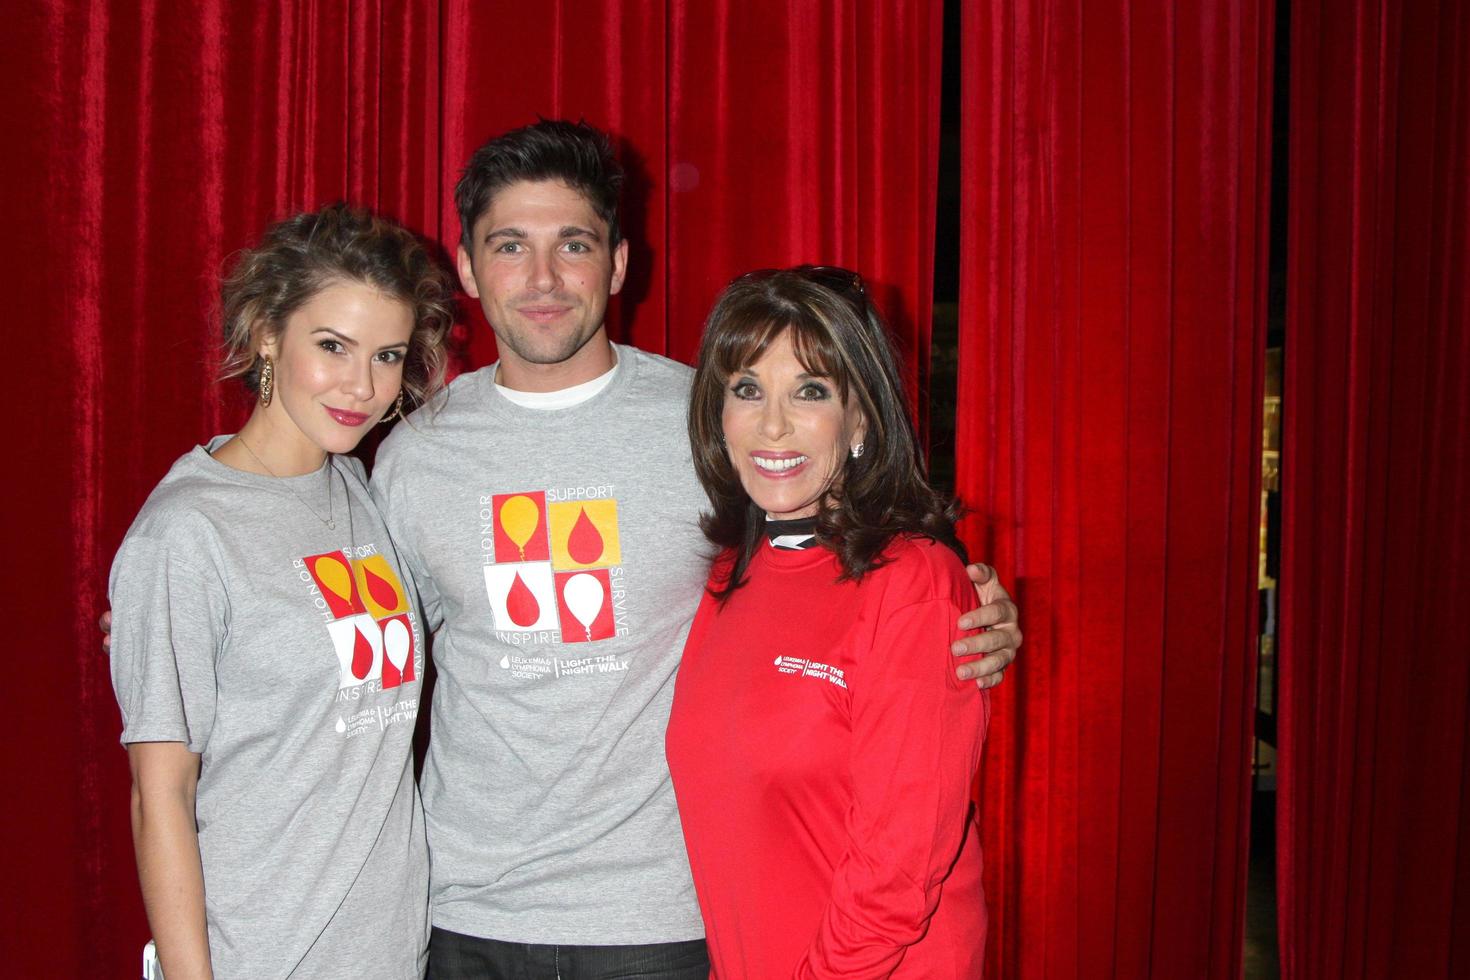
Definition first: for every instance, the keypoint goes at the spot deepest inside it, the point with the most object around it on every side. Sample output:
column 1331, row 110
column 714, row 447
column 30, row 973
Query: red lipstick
column 343, row 417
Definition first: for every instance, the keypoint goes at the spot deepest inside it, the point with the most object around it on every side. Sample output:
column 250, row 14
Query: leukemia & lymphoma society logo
column 797, row 666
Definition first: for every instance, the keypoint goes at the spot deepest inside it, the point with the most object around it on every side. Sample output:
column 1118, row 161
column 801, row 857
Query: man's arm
column 997, row 645
column 166, row 840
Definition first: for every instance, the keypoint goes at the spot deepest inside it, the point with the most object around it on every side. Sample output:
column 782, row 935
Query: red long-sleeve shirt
column 822, row 752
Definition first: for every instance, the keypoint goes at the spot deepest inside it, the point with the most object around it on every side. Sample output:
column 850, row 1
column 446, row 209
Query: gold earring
column 267, row 381
column 397, row 409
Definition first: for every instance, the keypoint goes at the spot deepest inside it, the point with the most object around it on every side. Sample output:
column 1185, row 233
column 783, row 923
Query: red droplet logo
column 521, row 604
column 585, row 543
column 362, row 655
column 382, row 591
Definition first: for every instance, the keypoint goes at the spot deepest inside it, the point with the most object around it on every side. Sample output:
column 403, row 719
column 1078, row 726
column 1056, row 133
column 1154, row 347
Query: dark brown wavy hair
column 304, row 254
column 837, row 333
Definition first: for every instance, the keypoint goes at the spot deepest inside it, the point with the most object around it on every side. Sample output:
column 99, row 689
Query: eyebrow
column 566, row 231
column 577, row 231
column 804, row 376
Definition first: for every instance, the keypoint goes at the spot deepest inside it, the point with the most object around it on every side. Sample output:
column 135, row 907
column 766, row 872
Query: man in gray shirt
column 548, row 509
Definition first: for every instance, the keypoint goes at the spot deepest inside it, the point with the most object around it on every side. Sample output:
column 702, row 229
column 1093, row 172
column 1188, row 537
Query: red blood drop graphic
column 584, row 544
column 362, row 655
column 521, row 603
column 380, row 589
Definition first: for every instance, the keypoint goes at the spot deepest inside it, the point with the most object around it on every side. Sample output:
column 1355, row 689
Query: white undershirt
column 562, row 397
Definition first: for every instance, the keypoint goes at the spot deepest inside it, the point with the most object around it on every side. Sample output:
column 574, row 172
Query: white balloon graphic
column 583, row 594
column 396, row 642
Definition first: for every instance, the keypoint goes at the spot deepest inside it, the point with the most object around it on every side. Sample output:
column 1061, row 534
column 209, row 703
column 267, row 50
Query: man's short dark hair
column 574, row 153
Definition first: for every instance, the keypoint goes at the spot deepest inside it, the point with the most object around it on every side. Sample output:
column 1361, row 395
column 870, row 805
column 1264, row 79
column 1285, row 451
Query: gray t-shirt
column 290, row 657
column 560, row 562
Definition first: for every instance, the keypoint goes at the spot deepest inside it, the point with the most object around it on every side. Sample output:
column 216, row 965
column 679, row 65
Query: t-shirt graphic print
column 366, row 612
column 553, row 574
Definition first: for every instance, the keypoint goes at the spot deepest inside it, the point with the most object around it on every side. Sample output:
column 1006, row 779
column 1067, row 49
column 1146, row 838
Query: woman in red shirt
column 822, row 748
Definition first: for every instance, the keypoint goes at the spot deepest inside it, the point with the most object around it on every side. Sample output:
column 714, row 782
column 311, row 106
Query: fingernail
column 956, row 648
column 966, row 623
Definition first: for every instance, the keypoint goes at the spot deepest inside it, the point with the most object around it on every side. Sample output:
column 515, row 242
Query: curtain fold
column 805, row 133
column 149, row 141
column 1114, row 197
column 1373, row 850
column 154, row 139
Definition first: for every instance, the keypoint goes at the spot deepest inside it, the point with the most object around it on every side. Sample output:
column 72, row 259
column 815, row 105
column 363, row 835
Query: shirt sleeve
column 387, row 494
column 169, row 622
column 917, row 733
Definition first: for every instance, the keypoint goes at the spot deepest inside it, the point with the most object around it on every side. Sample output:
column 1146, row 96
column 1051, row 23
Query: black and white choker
column 797, row 535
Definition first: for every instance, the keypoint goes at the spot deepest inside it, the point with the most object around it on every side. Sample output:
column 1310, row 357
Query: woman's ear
column 265, row 341
column 857, row 430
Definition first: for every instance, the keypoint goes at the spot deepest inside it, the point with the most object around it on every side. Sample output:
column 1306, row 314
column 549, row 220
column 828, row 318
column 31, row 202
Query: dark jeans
column 453, row 956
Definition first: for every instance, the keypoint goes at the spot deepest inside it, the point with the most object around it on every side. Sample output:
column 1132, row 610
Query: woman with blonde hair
column 266, row 649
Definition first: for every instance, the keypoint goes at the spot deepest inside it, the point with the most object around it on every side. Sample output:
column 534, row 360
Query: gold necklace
column 328, row 520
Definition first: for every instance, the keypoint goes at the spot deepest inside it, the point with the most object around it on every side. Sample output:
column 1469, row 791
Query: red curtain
column 145, row 143
column 150, row 140
column 1111, row 327
column 1374, row 854
column 799, row 131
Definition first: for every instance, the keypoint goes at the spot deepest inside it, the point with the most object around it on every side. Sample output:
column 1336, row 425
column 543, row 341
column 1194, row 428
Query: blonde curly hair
column 304, row 254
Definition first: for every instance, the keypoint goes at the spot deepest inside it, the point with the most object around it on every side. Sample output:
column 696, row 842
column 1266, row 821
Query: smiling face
column 338, row 366
column 541, row 265
column 787, row 431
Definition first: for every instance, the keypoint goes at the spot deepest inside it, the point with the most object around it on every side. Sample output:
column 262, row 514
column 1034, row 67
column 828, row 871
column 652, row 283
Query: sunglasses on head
column 835, row 278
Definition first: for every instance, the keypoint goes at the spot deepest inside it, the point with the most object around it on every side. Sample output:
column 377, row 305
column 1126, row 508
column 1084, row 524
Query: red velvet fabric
column 148, row 141
column 1112, row 307
column 1374, row 790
